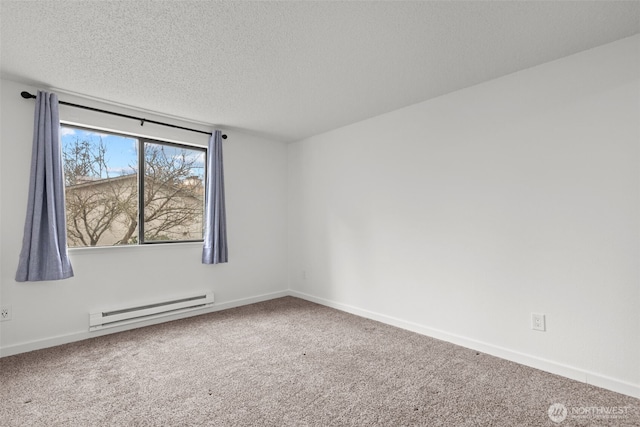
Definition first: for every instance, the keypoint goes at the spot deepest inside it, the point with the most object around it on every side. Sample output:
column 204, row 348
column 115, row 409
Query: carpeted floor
column 288, row 362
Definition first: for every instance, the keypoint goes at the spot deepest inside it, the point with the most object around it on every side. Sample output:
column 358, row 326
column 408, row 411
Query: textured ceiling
column 288, row 70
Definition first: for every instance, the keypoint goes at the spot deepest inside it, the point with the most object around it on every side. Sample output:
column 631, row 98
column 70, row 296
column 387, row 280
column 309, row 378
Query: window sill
column 131, row 248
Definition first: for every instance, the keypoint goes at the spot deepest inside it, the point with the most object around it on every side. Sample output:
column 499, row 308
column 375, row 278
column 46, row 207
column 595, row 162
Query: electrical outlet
column 538, row 322
column 5, row 313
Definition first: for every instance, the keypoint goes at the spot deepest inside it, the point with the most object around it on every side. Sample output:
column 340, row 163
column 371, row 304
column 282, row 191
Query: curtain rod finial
column 26, row 95
column 224, row 136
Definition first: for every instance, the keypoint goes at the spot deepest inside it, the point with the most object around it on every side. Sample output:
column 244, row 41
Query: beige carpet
column 288, row 362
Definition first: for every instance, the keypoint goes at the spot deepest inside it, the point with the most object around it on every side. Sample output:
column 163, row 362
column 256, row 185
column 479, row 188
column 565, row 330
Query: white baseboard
column 83, row 335
column 550, row 366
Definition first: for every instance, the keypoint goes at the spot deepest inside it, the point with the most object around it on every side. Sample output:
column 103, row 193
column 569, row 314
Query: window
column 108, row 202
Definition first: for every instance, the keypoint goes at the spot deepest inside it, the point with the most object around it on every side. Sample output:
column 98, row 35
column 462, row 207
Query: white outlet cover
column 5, row 313
column 538, row 322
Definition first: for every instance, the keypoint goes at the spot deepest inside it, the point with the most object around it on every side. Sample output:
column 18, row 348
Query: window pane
column 100, row 187
column 173, row 192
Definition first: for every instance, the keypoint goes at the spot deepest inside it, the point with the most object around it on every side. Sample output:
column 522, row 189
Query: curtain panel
column 215, row 229
column 44, row 245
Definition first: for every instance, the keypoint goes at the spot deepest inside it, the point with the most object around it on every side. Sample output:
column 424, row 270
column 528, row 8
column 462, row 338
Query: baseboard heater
column 126, row 315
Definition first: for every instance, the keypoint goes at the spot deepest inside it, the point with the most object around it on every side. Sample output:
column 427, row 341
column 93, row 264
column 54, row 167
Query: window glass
column 105, row 205
column 173, row 192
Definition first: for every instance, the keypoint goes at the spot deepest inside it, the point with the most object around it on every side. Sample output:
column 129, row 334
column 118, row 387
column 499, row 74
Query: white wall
column 460, row 216
column 48, row 313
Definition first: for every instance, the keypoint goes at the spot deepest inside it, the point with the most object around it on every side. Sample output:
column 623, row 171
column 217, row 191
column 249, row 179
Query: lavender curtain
column 215, row 227
column 44, row 245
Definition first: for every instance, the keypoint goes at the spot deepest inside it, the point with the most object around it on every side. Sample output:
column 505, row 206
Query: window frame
column 141, row 140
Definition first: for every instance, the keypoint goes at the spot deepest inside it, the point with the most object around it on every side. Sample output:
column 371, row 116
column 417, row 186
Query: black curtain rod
column 27, row 95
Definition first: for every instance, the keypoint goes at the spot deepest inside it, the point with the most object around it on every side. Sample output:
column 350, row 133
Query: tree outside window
column 109, row 203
